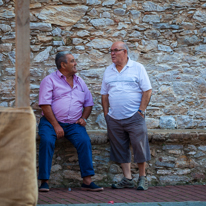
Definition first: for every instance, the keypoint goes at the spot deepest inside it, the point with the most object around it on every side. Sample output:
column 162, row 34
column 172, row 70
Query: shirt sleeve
column 144, row 81
column 45, row 92
column 104, row 89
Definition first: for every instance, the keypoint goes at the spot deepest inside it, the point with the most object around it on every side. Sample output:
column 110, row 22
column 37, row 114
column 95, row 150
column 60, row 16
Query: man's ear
column 63, row 65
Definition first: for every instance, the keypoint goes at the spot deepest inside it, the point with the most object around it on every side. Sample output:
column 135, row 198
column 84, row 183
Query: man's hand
column 81, row 122
column 59, row 131
column 141, row 114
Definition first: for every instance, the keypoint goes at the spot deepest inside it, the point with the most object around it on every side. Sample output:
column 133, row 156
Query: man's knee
column 47, row 140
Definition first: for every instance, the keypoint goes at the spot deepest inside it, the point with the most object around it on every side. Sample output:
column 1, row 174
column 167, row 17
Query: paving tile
column 154, row 194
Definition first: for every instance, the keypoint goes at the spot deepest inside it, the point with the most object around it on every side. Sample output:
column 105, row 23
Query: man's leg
column 142, row 182
column 46, row 151
column 87, row 180
column 141, row 167
column 79, row 138
column 126, row 167
column 139, row 140
column 120, row 151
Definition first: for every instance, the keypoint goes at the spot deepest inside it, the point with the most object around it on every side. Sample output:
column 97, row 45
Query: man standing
column 126, row 89
column 62, row 97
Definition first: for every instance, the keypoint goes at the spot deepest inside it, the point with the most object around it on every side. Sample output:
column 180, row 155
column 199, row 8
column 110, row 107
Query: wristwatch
column 84, row 119
column 142, row 112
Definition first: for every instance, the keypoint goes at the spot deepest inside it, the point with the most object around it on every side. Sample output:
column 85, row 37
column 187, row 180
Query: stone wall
column 178, row 157
column 168, row 37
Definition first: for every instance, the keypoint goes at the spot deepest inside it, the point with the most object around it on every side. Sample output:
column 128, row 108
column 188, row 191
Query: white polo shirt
column 125, row 88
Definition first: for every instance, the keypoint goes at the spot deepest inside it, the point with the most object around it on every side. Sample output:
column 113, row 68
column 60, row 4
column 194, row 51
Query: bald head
column 121, row 44
column 119, row 53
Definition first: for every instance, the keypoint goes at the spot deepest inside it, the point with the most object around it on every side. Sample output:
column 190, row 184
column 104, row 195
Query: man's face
column 70, row 66
column 118, row 53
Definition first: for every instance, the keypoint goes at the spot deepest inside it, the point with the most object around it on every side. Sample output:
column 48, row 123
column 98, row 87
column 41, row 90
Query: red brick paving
column 178, row 193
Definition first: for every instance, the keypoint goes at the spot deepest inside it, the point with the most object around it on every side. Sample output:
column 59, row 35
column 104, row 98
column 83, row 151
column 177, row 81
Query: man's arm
column 48, row 113
column 105, row 104
column 145, row 100
column 85, row 114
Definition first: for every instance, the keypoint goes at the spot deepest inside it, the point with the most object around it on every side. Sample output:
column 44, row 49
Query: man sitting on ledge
column 66, row 103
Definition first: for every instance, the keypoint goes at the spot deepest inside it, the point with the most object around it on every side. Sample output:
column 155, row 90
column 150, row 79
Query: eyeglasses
column 115, row 50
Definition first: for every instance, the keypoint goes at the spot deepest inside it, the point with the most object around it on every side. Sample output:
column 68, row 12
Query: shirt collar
column 59, row 74
column 129, row 64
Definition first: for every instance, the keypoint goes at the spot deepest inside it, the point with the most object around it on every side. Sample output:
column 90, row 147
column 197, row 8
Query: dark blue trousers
column 73, row 132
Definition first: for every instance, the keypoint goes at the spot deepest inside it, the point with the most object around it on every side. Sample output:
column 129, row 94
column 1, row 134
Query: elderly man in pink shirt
column 66, row 103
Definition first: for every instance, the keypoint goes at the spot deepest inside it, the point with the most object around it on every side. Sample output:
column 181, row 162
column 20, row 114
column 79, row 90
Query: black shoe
column 92, row 187
column 44, row 187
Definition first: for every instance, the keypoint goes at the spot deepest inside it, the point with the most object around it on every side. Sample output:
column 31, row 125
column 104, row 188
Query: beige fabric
column 18, row 181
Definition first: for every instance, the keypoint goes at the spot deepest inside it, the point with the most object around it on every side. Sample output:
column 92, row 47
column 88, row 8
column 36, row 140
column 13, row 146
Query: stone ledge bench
column 178, row 157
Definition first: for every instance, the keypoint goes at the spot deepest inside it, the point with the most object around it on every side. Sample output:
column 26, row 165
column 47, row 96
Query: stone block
column 44, row 38
column 40, row 26
column 6, row 14
column 162, row 47
column 167, row 122
column 100, row 44
column 200, row 48
column 198, row 176
column 150, row 6
column 5, row 28
column 119, row 11
column 83, row 33
column 135, row 14
column 102, row 22
column 151, row 18
column 5, row 47
column 165, row 164
column 164, row 172
column 200, row 15
column 122, row 33
column 8, row 37
column 108, row 3
column 187, row 40
column 56, row 168
column 202, row 136
column 184, row 121
column 62, row 15
column 58, row 43
column 115, row 169
column 174, row 179
column 172, row 147
column 152, row 123
column 44, row 55
column 101, row 121
column 202, row 148
column 175, row 152
column 167, row 159
column 72, row 1
column 57, row 32
column 93, row 2
column 199, row 154
column 64, row 48
column 158, row 138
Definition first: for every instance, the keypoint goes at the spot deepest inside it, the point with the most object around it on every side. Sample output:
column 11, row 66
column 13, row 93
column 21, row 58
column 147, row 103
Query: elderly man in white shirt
column 126, row 92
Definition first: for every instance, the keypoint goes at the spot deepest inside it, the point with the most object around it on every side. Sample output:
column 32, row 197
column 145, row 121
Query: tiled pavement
column 156, row 194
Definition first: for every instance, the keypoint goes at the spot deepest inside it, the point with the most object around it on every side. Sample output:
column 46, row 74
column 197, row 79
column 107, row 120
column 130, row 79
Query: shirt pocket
column 78, row 96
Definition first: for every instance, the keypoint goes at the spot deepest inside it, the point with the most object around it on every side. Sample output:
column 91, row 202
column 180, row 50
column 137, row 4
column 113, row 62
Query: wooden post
column 22, row 19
